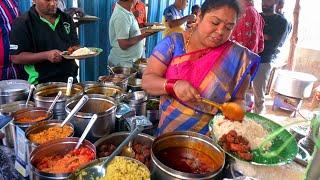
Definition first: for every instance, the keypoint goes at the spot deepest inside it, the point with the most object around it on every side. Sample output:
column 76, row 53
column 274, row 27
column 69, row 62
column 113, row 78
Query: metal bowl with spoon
column 98, row 169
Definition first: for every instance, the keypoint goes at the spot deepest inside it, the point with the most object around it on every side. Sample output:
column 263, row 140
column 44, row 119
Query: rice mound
column 248, row 128
column 121, row 168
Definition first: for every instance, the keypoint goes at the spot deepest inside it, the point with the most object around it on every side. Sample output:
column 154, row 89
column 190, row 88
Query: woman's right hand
column 185, row 91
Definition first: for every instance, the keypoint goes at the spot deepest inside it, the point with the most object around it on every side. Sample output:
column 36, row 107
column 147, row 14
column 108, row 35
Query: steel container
column 103, row 106
column 9, row 130
column 137, row 101
column 153, row 112
column 294, row 84
column 134, row 84
column 185, row 139
column 13, row 90
column 45, row 94
column 127, row 71
column 55, row 147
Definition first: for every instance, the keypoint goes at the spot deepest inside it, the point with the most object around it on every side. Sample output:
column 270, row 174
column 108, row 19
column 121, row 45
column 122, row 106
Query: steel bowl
column 106, row 90
column 87, row 84
column 119, row 80
column 127, row 71
column 33, row 112
column 41, row 126
column 9, row 130
column 55, row 147
column 13, row 90
column 105, row 107
column 189, row 140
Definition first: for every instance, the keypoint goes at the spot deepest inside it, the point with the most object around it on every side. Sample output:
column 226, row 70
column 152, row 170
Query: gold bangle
column 164, row 85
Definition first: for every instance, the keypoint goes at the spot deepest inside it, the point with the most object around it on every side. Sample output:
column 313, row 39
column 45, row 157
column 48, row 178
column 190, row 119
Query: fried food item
column 231, row 142
column 71, row 49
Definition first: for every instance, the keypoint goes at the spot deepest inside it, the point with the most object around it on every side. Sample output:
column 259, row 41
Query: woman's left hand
column 185, row 91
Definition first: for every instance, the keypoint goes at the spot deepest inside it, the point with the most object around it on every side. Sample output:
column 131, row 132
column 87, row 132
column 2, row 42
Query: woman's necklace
column 188, row 40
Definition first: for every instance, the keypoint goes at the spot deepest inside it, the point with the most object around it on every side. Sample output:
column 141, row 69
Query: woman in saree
column 199, row 63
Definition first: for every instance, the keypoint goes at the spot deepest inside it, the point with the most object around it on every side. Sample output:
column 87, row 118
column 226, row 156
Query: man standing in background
column 125, row 36
column 173, row 18
column 249, row 29
column 274, row 30
column 8, row 12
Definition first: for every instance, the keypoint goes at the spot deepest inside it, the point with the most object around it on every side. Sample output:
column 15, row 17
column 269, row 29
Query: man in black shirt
column 274, row 30
column 41, row 35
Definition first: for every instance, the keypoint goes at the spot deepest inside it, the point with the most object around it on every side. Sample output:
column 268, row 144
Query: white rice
column 248, row 128
column 82, row 51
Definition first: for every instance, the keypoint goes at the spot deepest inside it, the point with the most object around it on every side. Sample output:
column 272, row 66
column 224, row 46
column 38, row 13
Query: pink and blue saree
column 217, row 73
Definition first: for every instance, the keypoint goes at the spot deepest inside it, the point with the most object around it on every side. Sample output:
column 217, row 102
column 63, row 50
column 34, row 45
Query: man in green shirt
column 41, row 35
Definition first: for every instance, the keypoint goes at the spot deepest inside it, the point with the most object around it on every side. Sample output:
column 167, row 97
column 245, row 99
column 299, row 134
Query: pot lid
column 9, row 87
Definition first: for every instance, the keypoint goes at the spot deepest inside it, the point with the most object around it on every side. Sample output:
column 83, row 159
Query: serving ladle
column 230, row 110
column 76, row 109
column 86, row 131
column 69, row 86
column 98, row 170
column 54, row 101
column 30, row 93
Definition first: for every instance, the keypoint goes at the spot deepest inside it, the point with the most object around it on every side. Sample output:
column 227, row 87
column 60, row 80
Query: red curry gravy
column 188, row 160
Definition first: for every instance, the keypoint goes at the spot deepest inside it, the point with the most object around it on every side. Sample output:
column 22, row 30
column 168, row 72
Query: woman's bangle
column 169, row 86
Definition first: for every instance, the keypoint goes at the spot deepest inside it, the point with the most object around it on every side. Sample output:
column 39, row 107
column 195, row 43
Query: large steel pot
column 9, row 130
column 103, row 106
column 13, row 90
column 40, row 127
column 45, row 94
column 189, row 140
column 294, row 84
column 55, row 147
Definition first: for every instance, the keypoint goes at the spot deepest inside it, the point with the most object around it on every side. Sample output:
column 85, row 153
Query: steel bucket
column 119, row 80
column 13, row 90
column 103, row 106
column 45, row 94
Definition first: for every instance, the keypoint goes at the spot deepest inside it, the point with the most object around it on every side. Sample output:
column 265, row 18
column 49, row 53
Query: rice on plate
column 248, row 128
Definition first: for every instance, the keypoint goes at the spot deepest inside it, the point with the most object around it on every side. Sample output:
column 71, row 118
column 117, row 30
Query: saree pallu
column 216, row 73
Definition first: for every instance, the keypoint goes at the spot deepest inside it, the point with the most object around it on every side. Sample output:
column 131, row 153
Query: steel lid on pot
column 13, row 90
